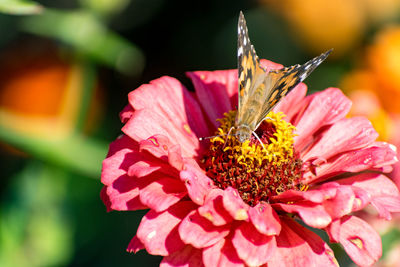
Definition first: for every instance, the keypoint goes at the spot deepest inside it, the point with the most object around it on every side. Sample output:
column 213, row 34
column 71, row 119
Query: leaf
column 90, row 37
column 20, row 7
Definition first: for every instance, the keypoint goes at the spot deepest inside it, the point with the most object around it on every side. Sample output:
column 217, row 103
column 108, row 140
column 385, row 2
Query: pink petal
column 122, row 142
column 221, row 254
column 175, row 157
column 213, row 208
column 342, row 204
column 117, row 165
column 384, row 194
column 162, row 194
column 104, row 197
column 361, row 242
column 312, row 214
column 125, row 201
column 216, row 91
column 234, row 204
column 265, row 219
column 146, row 167
column 197, row 183
column 251, row 246
column 158, row 231
column 200, row 232
column 123, row 190
column 167, row 97
column 186, row 257
column 290, row 104
column 337, row 200
column 161, row 147
column 126, row 113
column 314, row 195
column 298, row 247
column 390, row 155
column 142, row 168
column 145, row 123
column 325, row 107
column 267, row 64
column 158, row 145
column 135, row 245
column 344, row 135
column 375, row 156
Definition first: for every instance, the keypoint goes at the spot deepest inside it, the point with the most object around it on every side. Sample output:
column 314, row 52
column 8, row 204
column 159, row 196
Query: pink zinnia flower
column 222, row 203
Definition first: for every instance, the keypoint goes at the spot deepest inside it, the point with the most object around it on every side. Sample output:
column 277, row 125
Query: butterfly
column 260, row 90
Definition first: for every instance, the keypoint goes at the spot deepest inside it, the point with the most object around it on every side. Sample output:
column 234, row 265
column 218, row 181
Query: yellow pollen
column 241, row 215
column 250, row 153
column 154, row 141
column 304, row 188
column 356, row 241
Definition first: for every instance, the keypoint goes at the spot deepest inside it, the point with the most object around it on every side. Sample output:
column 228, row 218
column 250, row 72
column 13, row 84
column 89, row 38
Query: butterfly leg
column 226, row 138
column 259, row 140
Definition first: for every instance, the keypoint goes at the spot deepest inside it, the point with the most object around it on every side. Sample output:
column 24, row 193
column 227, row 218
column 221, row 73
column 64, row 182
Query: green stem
column 76, row 152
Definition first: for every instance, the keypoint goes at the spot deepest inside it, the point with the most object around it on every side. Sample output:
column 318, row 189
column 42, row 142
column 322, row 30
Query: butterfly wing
column 280, row 82
column 259, row 91
column 250, row 78
column 248, row 64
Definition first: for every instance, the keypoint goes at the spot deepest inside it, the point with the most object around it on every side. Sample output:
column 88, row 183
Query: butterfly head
column 243, row 133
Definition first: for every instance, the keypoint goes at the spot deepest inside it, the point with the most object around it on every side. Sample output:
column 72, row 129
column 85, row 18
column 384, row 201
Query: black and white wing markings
column 282, row 81
column 259, row 91
column 248, row 63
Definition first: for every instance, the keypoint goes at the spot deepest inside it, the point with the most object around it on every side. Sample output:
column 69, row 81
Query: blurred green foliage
column 19, row 7
column 82, row 30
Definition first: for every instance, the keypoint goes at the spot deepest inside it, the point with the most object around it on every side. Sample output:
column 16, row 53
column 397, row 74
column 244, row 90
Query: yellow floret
column 252, row 155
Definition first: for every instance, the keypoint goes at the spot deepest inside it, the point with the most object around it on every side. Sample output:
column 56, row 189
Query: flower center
column 257, row 171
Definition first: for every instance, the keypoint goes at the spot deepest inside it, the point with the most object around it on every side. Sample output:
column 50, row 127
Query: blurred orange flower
column 379, row 81
column 321, row 25
column 338, row 24
column 379, row 11
column 375, row 87
column 383, row 58
column 41, row 92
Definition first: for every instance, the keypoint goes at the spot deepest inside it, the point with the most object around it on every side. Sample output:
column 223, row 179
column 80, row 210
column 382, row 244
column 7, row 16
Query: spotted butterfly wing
column 248, row 64
column 281, row 82
column 260, row 91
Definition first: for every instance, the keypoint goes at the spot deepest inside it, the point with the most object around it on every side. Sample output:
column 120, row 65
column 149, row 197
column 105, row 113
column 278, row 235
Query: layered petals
column 344, row 135
column 165, row 107
column 200, row 232
column 221, row 254
column 265, row 219
column 323, row 108
column 158, row 231
column 383, row 193
column 216, row 91
column 361, row 242
column 213, row 208
column 187, row 257
column 298, row 246
column 193, row 220
column 162, row 193
column 378, row 156
column 253, row 247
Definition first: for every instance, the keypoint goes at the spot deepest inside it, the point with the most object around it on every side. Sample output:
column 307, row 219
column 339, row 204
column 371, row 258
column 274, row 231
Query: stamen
column 261, row 167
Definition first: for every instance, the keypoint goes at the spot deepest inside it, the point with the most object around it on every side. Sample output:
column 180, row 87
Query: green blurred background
column 66, row 68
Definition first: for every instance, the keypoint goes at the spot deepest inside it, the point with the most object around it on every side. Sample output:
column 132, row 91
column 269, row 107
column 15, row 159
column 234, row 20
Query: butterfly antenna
column 220, row 135
column 209, row 137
